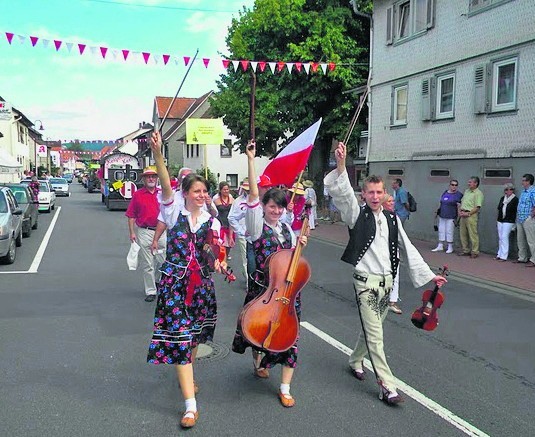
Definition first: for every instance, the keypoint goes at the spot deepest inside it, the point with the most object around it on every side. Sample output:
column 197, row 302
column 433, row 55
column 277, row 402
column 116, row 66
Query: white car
column 47, row 196
column 60, row 186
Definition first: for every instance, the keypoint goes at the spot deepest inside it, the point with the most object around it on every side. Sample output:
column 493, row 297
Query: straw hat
column 297, row 189
column 245, row 185
column 308, row 183
column 150, row 170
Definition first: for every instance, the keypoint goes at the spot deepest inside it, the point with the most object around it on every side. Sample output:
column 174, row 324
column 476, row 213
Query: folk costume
column 186, row 309
column 266, row 240
column 372, row 249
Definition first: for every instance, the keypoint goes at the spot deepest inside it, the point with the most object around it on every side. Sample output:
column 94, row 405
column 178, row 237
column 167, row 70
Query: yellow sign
column 117, row 185
column 204, row 131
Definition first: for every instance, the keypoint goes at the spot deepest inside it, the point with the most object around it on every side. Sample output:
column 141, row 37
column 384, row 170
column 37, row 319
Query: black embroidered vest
column 363, row 234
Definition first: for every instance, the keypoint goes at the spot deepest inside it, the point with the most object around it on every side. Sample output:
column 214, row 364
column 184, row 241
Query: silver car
column 60, row 186
column 10, row 226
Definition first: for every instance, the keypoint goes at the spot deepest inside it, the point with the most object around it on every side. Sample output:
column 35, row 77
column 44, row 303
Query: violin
column 426, row 317
column 211, row 248
column 270, row 321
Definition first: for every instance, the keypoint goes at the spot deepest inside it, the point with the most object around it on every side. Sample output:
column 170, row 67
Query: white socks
column 191, row 405
column 285, row 389
column 439, row 248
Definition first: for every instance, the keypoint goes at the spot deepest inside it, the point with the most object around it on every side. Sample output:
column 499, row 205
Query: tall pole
column 252, row 106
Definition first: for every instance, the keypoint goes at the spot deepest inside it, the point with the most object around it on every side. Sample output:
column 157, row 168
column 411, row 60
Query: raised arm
column 163, row 174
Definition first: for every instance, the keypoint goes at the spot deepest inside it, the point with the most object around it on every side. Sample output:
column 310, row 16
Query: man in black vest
column 374, row 237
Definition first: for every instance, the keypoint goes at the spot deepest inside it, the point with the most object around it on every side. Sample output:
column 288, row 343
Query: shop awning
column 8, row 164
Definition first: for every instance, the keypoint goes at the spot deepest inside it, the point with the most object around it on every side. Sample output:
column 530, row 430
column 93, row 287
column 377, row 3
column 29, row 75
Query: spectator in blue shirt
column 401, row 200
column 525, row 222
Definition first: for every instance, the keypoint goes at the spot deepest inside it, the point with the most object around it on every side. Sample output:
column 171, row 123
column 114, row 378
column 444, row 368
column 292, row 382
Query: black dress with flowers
column 186, row 310
column 264, row 246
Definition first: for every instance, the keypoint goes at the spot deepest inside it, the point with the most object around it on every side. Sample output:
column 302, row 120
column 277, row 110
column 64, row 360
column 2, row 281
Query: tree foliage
column 294, row 31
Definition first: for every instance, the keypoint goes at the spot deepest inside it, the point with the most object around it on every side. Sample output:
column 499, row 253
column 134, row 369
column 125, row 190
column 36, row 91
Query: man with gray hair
column 525, row 222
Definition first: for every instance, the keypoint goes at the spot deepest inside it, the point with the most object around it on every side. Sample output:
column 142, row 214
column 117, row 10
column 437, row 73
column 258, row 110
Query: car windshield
column 58, row 181
column 43, row 187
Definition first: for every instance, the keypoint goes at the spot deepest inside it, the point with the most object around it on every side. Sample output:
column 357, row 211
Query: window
column 232, row 180
column 445, row 96
column 399, row 105
column 226, row 149
column 440, row 173
column 395, row 172
column 495, row 86
column 483, row 5
column 408, row 18
column 498, row 173
column 504, row 85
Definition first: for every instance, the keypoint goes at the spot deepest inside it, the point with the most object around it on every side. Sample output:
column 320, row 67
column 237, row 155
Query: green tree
column 303, row 31
column 75, row 146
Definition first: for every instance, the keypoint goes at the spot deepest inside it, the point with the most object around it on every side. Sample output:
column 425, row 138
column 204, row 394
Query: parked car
column 46, row 197
column 10, row 226
column 60, row 186
column 26, row 201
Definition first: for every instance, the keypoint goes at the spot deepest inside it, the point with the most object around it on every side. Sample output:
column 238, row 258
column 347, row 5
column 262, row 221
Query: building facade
column 452, row 90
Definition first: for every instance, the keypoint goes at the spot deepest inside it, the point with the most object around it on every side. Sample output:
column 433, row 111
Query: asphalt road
column 74, row 337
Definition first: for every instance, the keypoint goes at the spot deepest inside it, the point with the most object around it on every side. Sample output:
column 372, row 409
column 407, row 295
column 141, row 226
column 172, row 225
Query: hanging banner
column 41, row 151
column 204, row 131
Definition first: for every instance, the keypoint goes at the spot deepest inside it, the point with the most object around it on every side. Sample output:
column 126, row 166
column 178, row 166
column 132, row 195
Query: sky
column 86, row 97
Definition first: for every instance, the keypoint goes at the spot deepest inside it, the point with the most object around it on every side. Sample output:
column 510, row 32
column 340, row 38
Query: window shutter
column 480, row 90
column 392, row 107
column 426, row 99
column 430, row 13
column 390, row 25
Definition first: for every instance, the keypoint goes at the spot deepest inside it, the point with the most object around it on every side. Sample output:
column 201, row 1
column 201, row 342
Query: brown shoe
column 517, row 261
column 187, row 421
column 530, row 264
column 395, row 308
column 261, row 372
column 474, row 255
column 287, row 401
column 360, row 374
column 464, row 254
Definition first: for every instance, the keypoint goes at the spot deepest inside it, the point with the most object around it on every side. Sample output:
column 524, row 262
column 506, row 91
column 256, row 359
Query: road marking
column 41, row 251
column 431, row 405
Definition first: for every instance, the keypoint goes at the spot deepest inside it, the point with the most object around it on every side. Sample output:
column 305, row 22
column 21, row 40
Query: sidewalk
column 483, row 269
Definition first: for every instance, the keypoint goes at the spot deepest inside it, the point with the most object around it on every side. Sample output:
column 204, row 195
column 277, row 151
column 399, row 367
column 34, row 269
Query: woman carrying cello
column 268, row 235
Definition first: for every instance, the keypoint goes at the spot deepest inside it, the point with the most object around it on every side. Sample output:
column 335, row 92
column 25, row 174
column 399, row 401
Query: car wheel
column 18, row 240
column 53, row 207
column 9, row 258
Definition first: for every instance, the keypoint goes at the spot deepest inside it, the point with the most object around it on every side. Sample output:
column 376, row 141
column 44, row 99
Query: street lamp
column 35, row 147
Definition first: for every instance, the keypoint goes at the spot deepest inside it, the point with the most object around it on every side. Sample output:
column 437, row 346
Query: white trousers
column 242, row 246
column 504, row 229
column 147, row 261
column 445, row 230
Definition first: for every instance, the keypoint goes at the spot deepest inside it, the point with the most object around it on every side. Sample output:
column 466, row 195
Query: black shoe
column 150, row 298
column 359, row 374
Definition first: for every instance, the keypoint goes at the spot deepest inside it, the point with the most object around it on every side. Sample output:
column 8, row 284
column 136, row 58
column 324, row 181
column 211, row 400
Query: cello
column 426, row 317
column 270, row 321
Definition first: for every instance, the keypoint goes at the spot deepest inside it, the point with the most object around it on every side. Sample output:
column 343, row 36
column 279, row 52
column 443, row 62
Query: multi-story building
column 452, row 92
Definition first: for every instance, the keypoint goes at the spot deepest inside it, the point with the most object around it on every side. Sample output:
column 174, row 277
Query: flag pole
column 296, row 185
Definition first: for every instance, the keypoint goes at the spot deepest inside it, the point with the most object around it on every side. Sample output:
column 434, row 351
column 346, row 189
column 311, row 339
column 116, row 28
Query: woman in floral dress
column 268, row 235
column 223, row 202
column 186, row 310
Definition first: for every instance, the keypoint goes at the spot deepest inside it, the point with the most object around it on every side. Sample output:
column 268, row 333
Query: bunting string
column 104, row 53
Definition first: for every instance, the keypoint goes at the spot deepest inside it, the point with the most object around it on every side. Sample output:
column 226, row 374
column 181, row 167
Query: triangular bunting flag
column 93, row 50
column 186, row 60
column 125, row 53
column 315, row 66
column 332, row 66
column 324, row 68
column 280, row 65
column 115, row 54
column 244, row 65
column 69, row 46
column 146, row 57
column 298, row 66
column 176, row 60
column 45, row 42
column 155, row 57
column 165, row 59
column 34, row 40
column 262, row 65
column 81, row 47
column 272, row 66
column 57, row 44
column 205, row 61
column 9, row 37
column 306, row 67
column 103, row 51
column 253, row 65
column 226, row 63
column 289, row 65
column 235, row 65
column 22, row 39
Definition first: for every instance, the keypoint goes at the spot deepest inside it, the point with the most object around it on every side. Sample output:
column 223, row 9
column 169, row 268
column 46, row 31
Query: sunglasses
column 454, row 185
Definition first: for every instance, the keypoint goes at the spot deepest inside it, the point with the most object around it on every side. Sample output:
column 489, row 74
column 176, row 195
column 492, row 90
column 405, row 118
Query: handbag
column 131, row 257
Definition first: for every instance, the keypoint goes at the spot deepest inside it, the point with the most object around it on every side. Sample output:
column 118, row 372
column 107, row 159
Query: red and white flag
column 291, row 160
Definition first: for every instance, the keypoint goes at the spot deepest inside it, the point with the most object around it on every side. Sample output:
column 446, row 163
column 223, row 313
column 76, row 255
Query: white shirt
column 169, row 215
column 376, row 260
column 180, row 203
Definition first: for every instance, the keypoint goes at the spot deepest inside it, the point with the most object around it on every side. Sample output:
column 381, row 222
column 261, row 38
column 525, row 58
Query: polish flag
column 292, row 159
